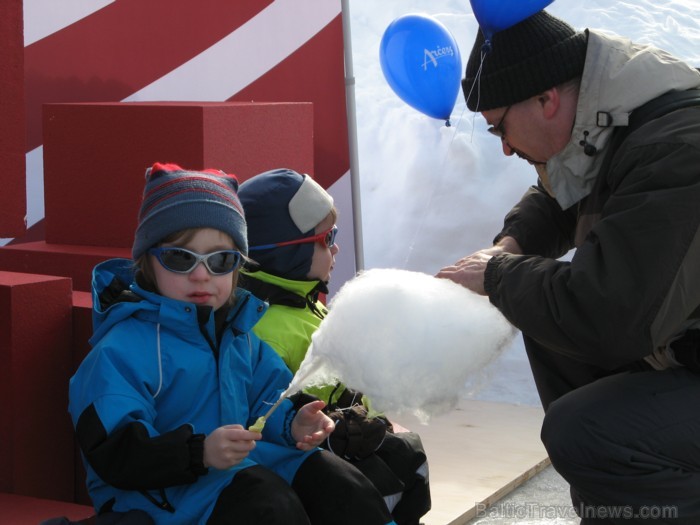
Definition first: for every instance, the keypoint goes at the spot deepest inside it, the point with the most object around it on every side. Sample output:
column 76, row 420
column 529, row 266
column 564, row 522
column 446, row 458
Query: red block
column 62, row 260
column 82, row 327
column 82, row 331
column 23, row 510
column 13, row 197
column 37, row 453
column 95, row 156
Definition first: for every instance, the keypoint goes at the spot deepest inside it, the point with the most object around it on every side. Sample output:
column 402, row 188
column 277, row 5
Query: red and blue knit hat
column 176, row 199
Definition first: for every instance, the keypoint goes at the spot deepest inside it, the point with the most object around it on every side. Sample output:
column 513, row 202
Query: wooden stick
column 260, row 422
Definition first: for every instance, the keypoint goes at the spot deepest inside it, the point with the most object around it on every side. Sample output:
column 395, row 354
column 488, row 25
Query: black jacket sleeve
column 130, row 459
column 634, row 279
column 539, row 225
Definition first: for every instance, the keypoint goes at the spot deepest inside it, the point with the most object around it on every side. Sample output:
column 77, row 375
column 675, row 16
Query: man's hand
column 469, row 270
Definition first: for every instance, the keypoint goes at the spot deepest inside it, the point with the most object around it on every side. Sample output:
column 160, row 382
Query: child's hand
column 228, row 445
column 311, row 426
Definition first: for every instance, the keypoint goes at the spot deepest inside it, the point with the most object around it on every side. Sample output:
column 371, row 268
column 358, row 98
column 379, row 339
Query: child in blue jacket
column 162, row 404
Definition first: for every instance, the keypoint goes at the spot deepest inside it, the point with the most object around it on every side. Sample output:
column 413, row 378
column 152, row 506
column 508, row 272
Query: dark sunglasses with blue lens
column 181, row 260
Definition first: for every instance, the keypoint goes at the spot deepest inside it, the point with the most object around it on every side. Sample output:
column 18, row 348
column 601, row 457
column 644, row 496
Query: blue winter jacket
column 158, row 380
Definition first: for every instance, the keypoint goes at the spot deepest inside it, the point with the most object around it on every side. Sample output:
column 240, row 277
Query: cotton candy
column 407, row 340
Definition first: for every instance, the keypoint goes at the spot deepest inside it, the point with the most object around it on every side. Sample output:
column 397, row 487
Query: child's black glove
column 356, row 436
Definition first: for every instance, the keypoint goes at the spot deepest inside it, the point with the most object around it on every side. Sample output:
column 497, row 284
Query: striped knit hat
column 176, row 199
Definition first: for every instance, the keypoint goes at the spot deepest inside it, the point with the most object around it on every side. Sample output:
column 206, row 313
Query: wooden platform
column 477, row 454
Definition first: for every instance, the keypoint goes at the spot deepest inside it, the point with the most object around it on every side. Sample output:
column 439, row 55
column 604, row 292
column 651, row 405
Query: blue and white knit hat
column 176, row 199
column 283, row 205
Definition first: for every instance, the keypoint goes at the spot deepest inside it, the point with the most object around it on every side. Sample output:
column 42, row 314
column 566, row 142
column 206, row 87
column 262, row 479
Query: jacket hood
column 116, row 296
column 112, row 298
column 618, row 76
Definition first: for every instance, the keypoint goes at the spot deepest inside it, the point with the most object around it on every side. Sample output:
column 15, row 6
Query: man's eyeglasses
column 326, row 238
column 180, row 260
column 499, row 130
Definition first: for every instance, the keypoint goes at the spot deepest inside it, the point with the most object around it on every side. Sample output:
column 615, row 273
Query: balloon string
column 477, row 78
column 486, row 48
column 435, row 189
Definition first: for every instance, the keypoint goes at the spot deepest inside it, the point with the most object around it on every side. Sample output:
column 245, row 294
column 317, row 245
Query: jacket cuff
column 287, row 430
column 196, row 445
column 491, row 276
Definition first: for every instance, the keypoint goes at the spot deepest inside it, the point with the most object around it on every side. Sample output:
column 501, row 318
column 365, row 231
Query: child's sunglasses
column 180, row 260
column 326, row 238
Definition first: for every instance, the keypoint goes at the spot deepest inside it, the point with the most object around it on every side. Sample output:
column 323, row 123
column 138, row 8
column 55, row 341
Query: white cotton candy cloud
column 407, row 340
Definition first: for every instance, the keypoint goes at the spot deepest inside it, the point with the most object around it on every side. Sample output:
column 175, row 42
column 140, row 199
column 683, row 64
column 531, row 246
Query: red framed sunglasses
column 326, row 239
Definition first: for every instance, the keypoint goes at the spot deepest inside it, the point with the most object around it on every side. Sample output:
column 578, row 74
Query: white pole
column 352, row 138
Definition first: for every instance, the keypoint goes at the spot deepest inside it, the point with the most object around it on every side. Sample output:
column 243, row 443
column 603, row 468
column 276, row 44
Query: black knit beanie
column 528, row 58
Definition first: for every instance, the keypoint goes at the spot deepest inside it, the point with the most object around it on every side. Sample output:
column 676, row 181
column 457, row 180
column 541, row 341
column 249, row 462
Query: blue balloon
column 421, row 62
column 497, row 15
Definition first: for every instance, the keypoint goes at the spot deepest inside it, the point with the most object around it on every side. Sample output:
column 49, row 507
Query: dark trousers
column 255, row 496
column 627, row 442
column 326, row 491
column 334, row 492
column 403, row 453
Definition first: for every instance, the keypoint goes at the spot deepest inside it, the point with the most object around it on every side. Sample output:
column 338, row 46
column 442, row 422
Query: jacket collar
column 618, row 77
column 301, row 288
column 114, row 275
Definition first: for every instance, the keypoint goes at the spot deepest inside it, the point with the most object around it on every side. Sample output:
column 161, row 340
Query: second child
column 292, row 231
